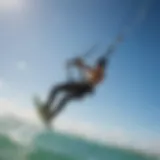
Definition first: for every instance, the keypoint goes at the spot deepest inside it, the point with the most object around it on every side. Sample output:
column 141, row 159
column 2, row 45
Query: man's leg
column 61, row 105
column 80, row 90
column 52, row 95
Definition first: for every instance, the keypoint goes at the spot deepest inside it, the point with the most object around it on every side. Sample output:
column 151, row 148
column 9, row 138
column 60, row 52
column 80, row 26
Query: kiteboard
column 39, row 106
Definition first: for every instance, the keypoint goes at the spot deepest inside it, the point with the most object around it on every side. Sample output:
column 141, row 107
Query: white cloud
column 116, row 136
column 10, row 5
column 1, row 84
column 22, row 65
column 10, row 106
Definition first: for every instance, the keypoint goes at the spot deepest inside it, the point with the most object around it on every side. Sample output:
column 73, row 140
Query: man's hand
column 78, row 62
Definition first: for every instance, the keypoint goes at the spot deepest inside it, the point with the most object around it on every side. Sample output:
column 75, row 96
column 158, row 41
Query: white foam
column 29, row 125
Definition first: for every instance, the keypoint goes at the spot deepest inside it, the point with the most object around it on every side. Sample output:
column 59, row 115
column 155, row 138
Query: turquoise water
column 55, row 146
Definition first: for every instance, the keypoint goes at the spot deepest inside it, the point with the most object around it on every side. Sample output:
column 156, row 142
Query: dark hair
column 102, row 62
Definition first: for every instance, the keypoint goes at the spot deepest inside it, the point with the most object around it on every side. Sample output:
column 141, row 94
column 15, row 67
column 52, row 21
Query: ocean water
column 21, row 141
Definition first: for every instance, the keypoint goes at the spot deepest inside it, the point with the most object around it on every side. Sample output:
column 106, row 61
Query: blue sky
column 37, row 37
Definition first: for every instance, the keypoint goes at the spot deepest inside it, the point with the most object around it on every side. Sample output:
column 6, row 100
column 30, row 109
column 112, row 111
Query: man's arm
column 85, row 67
column 81, row 65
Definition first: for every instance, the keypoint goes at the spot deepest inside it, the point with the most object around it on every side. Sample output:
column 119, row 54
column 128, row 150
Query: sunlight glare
column 10, row 5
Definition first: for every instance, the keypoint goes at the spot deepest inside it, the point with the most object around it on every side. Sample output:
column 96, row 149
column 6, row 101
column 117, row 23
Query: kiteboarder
column 90, row 78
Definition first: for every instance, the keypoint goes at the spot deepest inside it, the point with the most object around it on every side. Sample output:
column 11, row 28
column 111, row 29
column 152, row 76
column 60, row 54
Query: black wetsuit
column 72, row 90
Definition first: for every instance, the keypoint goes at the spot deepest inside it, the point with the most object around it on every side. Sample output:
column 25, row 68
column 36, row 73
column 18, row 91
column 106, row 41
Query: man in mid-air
column 91, row 77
